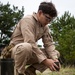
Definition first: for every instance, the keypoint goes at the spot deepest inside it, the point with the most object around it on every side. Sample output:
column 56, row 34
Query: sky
column 31, row 6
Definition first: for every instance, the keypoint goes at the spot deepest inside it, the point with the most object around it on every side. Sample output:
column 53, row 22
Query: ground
column 63, row 71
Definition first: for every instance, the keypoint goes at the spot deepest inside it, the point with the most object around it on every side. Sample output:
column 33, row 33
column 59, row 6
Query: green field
column 63, row 71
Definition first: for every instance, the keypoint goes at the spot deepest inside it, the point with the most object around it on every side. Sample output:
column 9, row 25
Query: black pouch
column 57, row 63
column 7, row 66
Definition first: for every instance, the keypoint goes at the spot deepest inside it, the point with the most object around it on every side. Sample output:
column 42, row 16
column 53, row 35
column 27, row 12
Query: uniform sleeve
column 49, row 45
column 28, row 33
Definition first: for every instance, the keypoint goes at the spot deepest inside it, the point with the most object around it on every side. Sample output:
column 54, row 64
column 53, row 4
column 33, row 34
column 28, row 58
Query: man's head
column 46, row 11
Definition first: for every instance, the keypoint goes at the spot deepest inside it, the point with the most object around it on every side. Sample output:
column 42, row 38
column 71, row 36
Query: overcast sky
column 32, row 5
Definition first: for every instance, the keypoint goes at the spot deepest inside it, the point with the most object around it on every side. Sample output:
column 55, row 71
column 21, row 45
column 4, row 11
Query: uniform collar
column 35, row 17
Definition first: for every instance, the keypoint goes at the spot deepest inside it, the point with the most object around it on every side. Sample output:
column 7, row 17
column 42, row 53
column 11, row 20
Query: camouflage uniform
column 28, row 31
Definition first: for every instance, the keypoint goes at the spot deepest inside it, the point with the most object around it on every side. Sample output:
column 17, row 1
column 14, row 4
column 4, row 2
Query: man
column 27, row 32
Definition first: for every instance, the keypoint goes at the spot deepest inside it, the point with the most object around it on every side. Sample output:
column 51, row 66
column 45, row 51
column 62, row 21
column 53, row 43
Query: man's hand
column 50, row 63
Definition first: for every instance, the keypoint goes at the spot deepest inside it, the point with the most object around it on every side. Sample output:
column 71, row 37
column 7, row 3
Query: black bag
column 7, row 66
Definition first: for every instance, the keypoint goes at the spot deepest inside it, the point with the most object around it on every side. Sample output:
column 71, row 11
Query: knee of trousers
column 24, row 48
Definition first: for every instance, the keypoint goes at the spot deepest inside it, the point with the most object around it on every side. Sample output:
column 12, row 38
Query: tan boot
column 30, row 71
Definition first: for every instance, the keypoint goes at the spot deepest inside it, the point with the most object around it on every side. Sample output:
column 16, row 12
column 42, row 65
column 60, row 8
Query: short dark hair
column 48, row 8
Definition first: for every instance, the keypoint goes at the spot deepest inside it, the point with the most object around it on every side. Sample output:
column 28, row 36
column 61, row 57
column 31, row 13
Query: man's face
column 45, row 19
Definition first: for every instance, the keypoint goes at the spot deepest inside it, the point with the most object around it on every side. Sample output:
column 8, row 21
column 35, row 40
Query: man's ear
column 40, row 12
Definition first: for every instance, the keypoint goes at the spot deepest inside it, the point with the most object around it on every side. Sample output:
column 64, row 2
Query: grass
column 63, row 71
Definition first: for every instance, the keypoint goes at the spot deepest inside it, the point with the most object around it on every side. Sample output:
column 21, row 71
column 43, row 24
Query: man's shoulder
column 27, row 17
